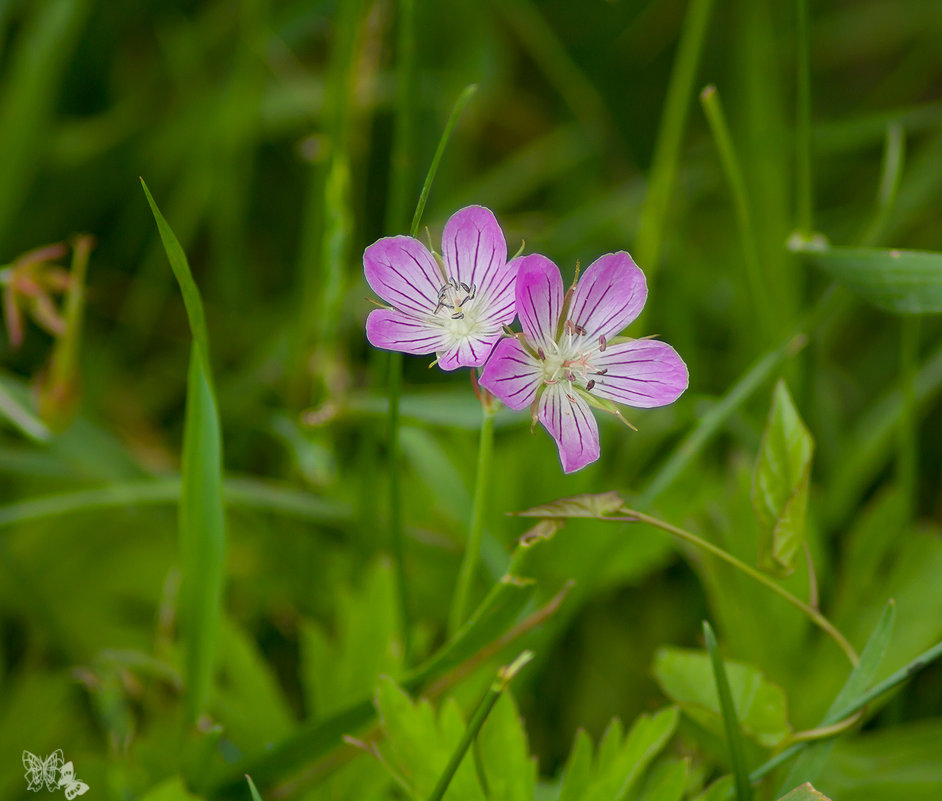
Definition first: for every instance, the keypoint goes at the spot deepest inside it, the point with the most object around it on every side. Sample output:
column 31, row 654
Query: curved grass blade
column 201, row 516
column 804, row 793
column 737, row 753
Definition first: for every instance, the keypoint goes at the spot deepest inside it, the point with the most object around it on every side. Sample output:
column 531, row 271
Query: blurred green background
column 265, row 130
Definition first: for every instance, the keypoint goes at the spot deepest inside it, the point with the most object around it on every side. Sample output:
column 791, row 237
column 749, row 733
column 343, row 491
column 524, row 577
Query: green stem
column 401, row 172
column 813, row 614
column 459, row 608
column 805, row 189
column 504, row 677
column 908, row 458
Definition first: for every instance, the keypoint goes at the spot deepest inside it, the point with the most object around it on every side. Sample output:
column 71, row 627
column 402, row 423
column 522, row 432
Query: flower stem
column 805, row 189
column 816, row 617
column 459, row 607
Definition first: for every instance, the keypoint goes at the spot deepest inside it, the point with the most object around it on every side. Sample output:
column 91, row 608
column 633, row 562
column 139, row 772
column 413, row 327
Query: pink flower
column 455, row 306
column 570, row 357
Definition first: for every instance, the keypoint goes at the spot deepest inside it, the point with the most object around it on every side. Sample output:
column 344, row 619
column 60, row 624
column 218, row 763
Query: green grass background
column 265, row 131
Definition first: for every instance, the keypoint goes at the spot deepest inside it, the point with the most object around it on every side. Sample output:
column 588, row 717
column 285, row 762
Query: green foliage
column 899, row 281
column 780, row 485
column 804, row 793
column 202, row 523
column 686, row 677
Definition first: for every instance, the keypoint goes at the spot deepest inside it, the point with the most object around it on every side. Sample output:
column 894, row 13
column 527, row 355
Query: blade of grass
column 805, row 187
column 201, row 515
column 761, row 371
column 670, row 135
column 766, row 313
column 505, row 675
column 252, row 788
column 238, row 493
column 401, row 174
column 891, row 173
column 14, row 406
column 907, row 460
column 395, row 373
column 28, row 94
column 737, row 753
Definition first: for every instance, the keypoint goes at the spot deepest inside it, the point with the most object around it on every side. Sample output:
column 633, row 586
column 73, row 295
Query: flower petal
column 642, row 373
column 475, row 252
column 539, row 299
column 468, row 351
column 512, row 374
column 609, row 295
column 569, row 421
column 403, row 273
column 394, row 330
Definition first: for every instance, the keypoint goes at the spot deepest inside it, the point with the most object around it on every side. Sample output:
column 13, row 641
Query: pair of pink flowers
column 568, row 357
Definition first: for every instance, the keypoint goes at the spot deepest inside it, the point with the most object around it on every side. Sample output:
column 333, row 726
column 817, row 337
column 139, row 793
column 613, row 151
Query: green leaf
column 668, row 782
column 510, row 771
column 578, row 771
column 780, row 484
column 898, row 281
column 621, row 766
column 810, row 763
column 170, row 790
column 497, row 612
column 201, row 516
column 253, row 789
column 598, row 505
column 422, row 743
column 367, row 645
column 804, row 793
column 686, row 677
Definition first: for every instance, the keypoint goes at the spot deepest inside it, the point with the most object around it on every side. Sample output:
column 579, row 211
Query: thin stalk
column 813, row 614
column 459, row 608
column 805, row 189
column 737, row 753
column 908, row 456
column 403, row 147
column 670, row 134
column 766, row 313
column 891, row 174
column 504, row 677
column 395, row 362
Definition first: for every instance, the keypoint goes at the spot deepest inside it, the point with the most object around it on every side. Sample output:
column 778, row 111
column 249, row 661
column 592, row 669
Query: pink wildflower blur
column 570, row 357
column 454, row 306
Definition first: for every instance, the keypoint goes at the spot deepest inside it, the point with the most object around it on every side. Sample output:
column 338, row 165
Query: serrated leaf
column 578, row 771
column 804, row 793
column 618, row 771
column 422, row 743
column 591, row 505
column 510, row 771
column 780, row 484
column 668, row 782
column 898, row 281
column 686, row 677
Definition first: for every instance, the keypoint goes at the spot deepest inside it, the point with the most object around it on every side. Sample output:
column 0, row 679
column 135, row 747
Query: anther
column 465, row 287
column 541, row 353
column 578, row 329
column 589, row 386
column 602, row 343
column 570, row 376
column 603, row 371
column 457, row 316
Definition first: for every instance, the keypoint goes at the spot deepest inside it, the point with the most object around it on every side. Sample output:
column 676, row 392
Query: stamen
column 457, row 316
column 602, row 343
column 603, row 371
column 541, row 353
column 589, row 386
column 578, row 329
column 570, row 376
